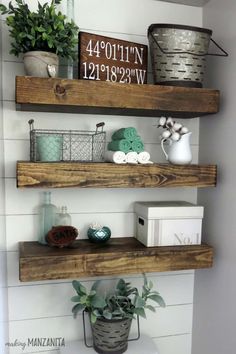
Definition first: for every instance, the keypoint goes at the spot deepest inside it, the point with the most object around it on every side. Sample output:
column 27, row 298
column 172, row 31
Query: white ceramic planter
column 41, row 64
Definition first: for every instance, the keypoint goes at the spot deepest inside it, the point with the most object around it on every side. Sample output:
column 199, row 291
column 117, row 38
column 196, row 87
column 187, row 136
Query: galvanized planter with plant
column 111, row 312
column 41, row 36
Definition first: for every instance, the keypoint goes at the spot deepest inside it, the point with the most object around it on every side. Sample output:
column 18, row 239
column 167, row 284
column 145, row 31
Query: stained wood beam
column 88, row 96
column 110, row 175
column 117, row 256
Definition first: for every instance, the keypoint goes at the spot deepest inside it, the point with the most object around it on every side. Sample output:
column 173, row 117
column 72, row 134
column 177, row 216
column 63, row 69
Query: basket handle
column 85, row 337
column 31, row 124
column 225, row 54
column 100, row 125
column 217, row 54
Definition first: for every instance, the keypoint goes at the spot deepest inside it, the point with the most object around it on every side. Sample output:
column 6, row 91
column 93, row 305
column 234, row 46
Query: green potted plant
column 41, row 36
column 112, row 311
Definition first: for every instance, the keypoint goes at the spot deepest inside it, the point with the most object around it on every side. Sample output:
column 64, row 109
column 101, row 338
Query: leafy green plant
column 45, row 30
column 124, row 301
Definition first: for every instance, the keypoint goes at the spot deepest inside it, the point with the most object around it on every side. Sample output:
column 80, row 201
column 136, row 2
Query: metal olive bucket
column 178, row 54
column 110, row 336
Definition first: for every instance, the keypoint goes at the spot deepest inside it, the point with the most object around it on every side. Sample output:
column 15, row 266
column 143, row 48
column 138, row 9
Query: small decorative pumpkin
column 61, row 236
column 98, row 234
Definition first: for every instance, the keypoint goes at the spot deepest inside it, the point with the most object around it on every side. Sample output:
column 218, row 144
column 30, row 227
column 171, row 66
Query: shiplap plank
column 91, row 200
column 6, row 40
column 16, row 124
column 90, row 16
column 24, row 227
column 174, row 344
column 176, row 289
column 2, row 197
column 2, row 233
column 3, row 276
column 164, row 322
column 1, row 145
column 135, row 17
column 165, row 345
column 19, row 150
column 10, row 70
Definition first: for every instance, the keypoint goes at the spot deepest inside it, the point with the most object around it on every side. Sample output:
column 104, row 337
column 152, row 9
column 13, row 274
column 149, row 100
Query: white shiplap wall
column 43, row 309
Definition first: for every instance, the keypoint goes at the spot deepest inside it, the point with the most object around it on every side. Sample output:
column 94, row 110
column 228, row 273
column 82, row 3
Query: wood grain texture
column 117, row 256
column 110, row 175
column 88, row 96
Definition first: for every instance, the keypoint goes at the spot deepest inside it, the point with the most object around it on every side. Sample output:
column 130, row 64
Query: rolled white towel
column 148, row 163
column 115, row 156
column 143, row 157
column 132, row 157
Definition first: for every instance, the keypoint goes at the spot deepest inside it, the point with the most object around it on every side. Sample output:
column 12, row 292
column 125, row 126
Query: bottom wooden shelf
column 117, row 256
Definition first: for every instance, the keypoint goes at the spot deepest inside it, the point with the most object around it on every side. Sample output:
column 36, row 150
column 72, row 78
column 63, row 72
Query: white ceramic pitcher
column 179, row 151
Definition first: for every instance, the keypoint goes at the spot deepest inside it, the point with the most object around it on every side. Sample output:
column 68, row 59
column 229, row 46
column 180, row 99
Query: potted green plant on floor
column 41, row 36
column 112, row 311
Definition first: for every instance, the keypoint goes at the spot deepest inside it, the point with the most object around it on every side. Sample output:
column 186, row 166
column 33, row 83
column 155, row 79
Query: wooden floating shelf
column 88, row 96
column 117, row 256
column 110, row 175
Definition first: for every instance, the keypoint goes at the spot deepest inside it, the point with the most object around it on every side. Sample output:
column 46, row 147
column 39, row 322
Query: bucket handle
column 225, row 54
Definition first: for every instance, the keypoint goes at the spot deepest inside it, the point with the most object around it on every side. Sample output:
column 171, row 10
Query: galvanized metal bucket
column 178, row 54
column 110, row 336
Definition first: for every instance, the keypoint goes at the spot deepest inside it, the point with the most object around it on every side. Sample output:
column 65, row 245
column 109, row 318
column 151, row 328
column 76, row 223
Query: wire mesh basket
column 67, row 145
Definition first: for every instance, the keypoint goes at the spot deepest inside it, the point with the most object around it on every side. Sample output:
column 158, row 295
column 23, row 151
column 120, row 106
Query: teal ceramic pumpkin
column 100, row 235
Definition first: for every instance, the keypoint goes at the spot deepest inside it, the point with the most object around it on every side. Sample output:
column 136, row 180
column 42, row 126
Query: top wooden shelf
column 88, row 96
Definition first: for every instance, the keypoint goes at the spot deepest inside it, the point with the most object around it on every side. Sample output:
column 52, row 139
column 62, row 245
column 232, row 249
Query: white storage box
column 168, row 223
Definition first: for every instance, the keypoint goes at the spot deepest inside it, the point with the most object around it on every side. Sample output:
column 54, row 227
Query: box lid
column 168, row 210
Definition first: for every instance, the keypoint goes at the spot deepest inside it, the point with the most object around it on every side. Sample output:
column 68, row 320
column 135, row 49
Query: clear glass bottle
column 47, row 217
column 63, row 218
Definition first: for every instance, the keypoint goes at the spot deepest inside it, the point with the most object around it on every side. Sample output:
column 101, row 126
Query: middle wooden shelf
column 110, row 175
column 123, row 255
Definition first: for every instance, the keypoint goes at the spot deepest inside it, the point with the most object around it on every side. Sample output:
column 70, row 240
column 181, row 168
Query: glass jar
column 47, row 217
column 63, row 218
